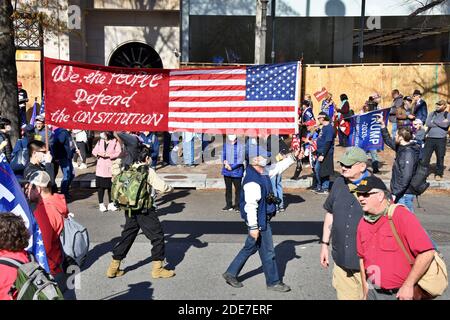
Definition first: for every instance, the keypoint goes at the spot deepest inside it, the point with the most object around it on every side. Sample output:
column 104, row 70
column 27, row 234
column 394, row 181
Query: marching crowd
column 379, row 248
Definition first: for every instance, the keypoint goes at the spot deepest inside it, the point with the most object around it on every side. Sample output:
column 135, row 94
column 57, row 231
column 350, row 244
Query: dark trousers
column 435, row 145
column 229, row 182
column 342, row 138
column 298, row 169
column 151, row 227
column 82, row 146
column 101, row 194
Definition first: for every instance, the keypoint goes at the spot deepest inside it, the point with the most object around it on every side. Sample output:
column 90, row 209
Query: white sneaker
column 112, row 207
column 82, row 166
column 102, row 207
column 75, row 164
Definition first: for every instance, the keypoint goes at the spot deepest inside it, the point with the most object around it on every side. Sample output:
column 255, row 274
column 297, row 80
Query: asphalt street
column 202, row 240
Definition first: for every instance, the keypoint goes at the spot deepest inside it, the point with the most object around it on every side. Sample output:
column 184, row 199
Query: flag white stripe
column 232, row 114
column 232, row 125
column 191, row 83
column 209, row 71
column 231, row 104
column 209, row 93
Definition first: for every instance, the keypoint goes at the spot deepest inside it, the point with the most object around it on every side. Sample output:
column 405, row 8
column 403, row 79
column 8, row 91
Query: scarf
column 372, row 218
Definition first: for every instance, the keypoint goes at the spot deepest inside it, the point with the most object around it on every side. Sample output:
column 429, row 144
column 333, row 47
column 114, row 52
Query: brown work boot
column 114, row 269
column 158, row 270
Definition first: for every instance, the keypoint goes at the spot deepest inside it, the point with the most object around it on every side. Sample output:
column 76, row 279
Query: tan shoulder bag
column 435, row 280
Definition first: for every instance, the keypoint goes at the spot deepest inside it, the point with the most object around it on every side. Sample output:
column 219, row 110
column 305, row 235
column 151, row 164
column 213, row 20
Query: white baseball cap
column 40, row 179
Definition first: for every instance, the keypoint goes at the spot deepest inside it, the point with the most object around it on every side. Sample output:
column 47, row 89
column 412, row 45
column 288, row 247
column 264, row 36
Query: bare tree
column 425, row 6
column 31, row 11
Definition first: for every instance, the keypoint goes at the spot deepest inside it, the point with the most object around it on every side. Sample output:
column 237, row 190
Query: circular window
column 135, row 55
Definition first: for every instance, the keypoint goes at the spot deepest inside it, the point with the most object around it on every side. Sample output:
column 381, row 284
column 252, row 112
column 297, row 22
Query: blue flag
column 13, row 200
column 42, row 110
column 365, row 131
column 33, row 116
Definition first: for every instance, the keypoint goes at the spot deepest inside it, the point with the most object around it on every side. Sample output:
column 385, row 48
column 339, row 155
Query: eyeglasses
column 365, row 194
column 345, row 166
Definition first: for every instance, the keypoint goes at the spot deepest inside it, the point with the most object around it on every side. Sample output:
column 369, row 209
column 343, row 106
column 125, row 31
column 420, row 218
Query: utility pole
column 361, row 31
column 272, row 54
column 260, row 31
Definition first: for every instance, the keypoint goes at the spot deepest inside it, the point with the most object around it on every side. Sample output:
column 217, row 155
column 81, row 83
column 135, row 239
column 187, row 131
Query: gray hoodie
column 437, row 126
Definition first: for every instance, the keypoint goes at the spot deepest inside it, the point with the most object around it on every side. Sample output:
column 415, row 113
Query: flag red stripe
column 238, row 131
column 207, row 99
column 233, row 109
column 206, row 88
column 209, row 77
column 227, row 120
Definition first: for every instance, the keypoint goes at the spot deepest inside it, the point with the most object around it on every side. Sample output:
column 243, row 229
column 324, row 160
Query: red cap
column 310, row 123
column 19, row 84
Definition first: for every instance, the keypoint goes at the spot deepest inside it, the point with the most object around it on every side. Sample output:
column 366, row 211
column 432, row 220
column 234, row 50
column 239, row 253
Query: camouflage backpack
column 131, row 190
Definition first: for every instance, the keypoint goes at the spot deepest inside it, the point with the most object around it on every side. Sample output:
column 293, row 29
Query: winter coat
column 104, row 164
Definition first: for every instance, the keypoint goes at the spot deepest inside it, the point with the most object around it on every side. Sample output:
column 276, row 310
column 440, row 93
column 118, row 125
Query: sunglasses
column 345, row 166
column 365, row 194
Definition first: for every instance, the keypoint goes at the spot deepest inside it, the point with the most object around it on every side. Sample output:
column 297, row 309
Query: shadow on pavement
column 98, row 251
column 179, row 246
column 136, row 291
column 78, row 194
column 200, row 228
column 284, row 252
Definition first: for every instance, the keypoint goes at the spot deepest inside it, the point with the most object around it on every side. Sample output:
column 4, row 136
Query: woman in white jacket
column 81, row 140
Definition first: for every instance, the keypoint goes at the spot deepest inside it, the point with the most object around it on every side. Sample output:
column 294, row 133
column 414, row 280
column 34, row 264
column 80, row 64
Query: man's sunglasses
column 345, row 166
column 365, row 194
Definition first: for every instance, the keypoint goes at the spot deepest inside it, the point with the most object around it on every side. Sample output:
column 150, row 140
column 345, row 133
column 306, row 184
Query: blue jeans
column 394, row 130
column 68, row 175
column 407, row 200
column 277, row 188
column 264, row 246
column 323, row 183
column 188, row 152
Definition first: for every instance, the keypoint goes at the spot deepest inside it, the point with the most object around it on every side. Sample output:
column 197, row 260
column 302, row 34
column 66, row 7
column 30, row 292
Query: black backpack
column 419, row 182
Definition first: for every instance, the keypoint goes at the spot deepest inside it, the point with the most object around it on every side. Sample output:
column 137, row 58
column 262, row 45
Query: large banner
column 365, row 130
column 91, row 97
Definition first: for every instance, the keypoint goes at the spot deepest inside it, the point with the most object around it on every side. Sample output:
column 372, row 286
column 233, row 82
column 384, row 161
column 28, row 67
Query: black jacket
column 405, row 165
column 7, row 150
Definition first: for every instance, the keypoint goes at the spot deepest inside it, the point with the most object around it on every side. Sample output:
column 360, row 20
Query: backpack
column 32, row 282
column 131, row 190
column 74, row 240
column 419, row 182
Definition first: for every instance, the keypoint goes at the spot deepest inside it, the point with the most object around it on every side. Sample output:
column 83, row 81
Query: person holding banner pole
column 407, row 154
column 324, row 166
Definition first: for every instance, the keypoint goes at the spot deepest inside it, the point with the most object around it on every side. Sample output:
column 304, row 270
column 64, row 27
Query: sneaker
column 75, row 164
column 318, row 191
column 321, row 192
column 82, row 166
column 236, row 208
column 282, row 210
column 112, row 207
column 102, row 207
column 279, row 287
column 227, row 208
column 232, row 281
column 437, row 177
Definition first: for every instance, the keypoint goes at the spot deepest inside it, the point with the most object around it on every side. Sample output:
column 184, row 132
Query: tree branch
column 427, row 7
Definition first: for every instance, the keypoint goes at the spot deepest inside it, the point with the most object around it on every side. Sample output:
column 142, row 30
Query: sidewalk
column 208, row 175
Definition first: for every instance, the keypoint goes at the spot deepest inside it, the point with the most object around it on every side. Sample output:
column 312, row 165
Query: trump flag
column 13, row 200
column 365, row 130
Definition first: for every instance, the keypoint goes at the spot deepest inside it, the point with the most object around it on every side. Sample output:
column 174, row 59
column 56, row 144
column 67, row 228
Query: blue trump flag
column 42, row 110
column 33, row 116
column 13, row 200
column 365, row 131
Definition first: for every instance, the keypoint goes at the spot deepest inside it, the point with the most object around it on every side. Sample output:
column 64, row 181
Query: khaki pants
column 348, row 285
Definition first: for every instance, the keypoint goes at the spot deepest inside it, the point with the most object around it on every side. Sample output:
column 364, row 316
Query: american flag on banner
column 238, row 100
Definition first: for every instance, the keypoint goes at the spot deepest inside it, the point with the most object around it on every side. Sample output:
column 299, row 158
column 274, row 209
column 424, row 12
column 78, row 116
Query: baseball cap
column 441, row 103
column 19, row 83
column 352, row 156
column 40, row 118
column 40, row 179
column 418, row 121
column 369, row 183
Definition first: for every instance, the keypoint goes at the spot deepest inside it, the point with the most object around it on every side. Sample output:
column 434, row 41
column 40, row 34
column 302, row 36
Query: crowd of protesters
column 357, row 202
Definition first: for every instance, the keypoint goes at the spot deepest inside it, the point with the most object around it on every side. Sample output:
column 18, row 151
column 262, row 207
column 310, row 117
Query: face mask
column 232, row 137
column 103, row 136
column 253, row 141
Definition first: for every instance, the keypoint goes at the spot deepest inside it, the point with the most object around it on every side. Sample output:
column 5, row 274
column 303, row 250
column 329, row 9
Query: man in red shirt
column 50, row 212
column 385, row 270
